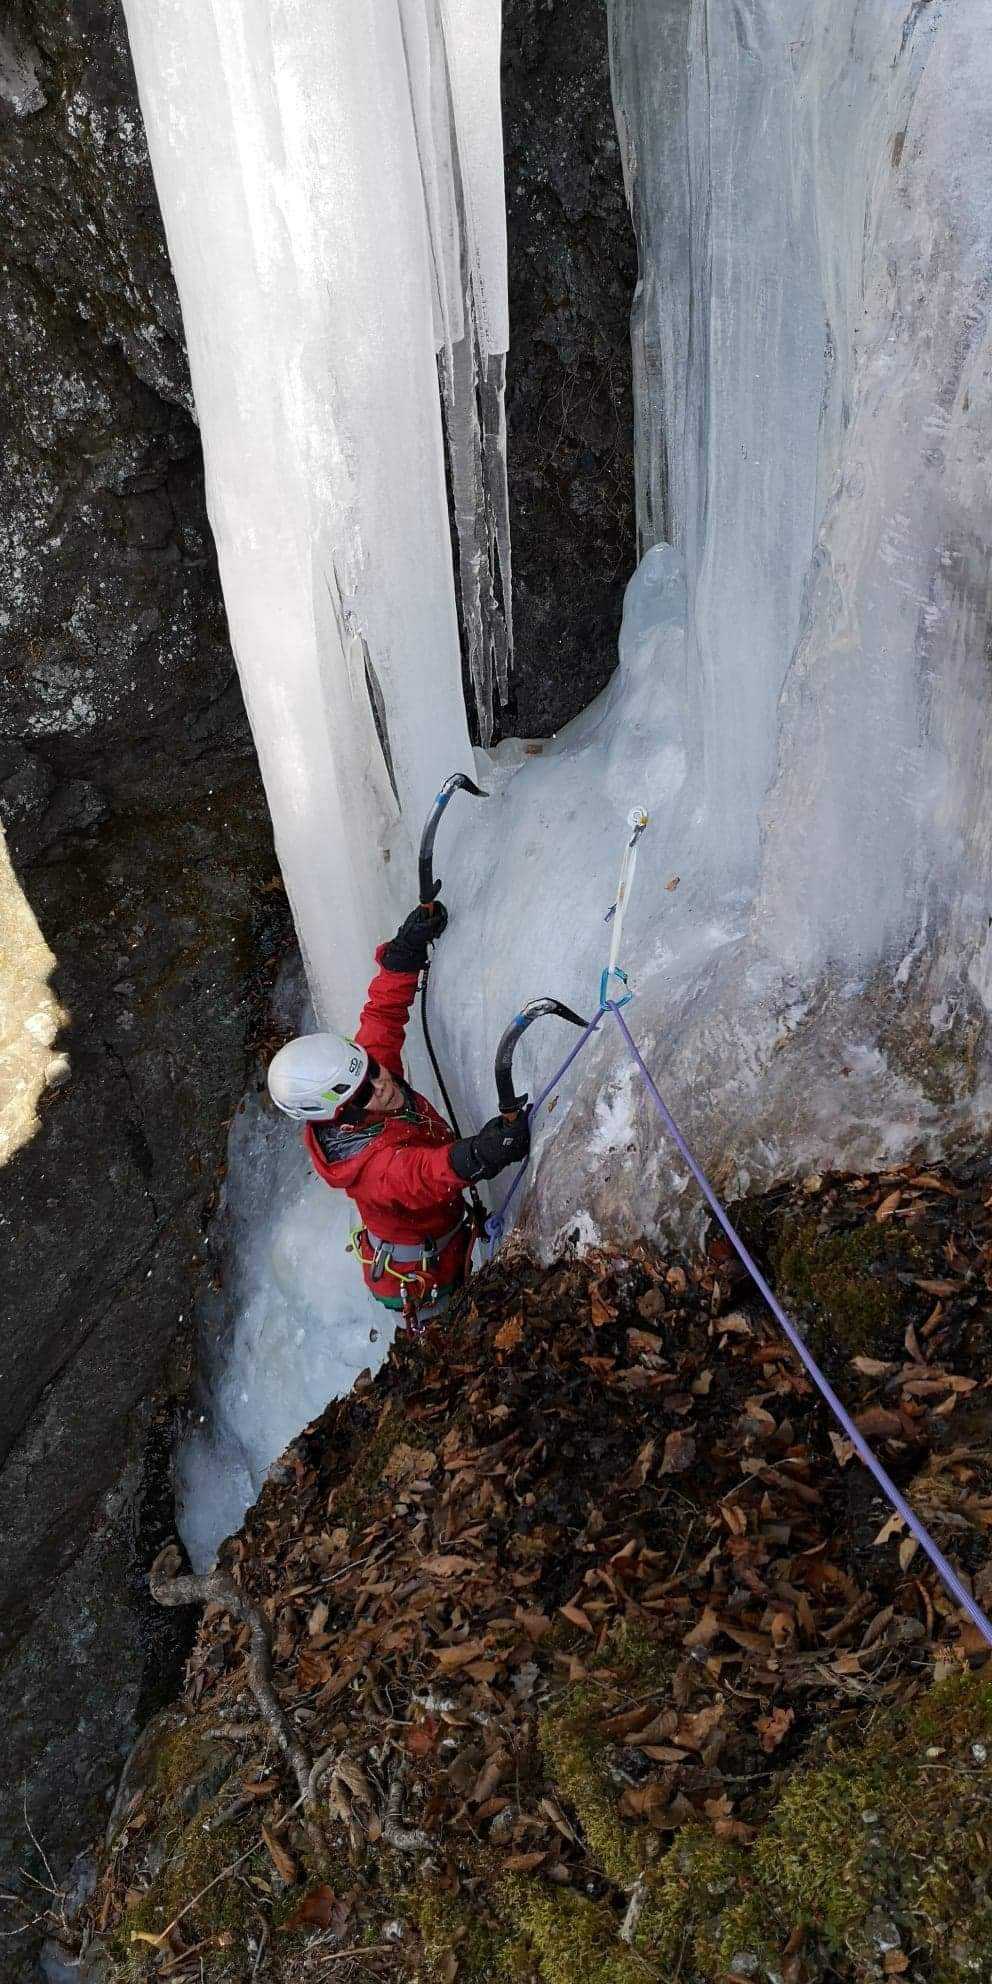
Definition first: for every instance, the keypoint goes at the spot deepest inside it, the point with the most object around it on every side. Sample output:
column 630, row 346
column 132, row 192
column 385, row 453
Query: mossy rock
column 564, row 1938
column 703, row 1909
column 844, row 1284
column 577, row 1758
column 202, row 1851
column 884, row 1845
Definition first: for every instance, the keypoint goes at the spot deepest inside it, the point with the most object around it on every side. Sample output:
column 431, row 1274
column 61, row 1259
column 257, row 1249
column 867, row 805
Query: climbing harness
column 430, row 889
column 405, row 1266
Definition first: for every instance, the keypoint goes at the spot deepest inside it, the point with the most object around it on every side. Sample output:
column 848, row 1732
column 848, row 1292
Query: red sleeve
column 415, row 1177
column 382, row 1027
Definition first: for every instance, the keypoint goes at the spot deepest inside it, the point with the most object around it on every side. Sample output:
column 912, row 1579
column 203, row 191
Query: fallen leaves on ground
column 614, row 1474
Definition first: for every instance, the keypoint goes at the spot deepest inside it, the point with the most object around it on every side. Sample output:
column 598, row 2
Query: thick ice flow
column 331, row 183
column 802, row 702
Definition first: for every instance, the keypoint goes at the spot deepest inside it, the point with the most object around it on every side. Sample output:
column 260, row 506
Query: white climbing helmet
column 316, row 1075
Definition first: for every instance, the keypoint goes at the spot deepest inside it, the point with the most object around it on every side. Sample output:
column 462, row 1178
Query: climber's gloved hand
column 499, row 1142
column 409, row 947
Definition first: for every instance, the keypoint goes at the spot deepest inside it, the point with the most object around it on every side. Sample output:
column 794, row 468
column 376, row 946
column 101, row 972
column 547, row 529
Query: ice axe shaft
column 509, row 1101
column 430, row 887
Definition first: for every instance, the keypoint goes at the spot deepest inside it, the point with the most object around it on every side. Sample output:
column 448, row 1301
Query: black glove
column 496, row 1145
column 408, row 950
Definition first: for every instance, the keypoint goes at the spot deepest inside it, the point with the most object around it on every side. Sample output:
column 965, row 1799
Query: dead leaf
column 508, row 1337
column 406, row 1462
column 888, row 1206
column 421, row 1741
column 320, row 1909
column 650, row 1306
column 894, row 1527
column 601, row 1310
column 524, row 1863
column 680, row 1452
column 453, row 1657
column 705, row 1630
column 282, row 1861
column 774, row 1728
column 576, row 1617
column 879, row 1423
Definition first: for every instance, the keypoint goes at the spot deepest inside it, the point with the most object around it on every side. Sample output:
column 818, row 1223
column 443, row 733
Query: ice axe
column 430, row 889
column 509, row 1101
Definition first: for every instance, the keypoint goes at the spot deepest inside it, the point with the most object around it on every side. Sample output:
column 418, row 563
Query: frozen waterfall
column 331, row 185
column 802, row 699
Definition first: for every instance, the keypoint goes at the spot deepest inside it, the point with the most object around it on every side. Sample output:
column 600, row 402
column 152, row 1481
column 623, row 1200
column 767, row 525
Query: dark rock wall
column 138, row 834
column 134, row 816
column 573, row 264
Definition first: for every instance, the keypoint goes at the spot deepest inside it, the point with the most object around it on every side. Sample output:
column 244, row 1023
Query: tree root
column 170, row 1585
column 402, row 1839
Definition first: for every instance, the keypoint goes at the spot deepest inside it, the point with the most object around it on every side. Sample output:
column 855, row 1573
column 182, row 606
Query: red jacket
column 397, row 1168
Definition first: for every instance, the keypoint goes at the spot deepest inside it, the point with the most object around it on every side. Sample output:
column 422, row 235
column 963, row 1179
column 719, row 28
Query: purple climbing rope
column 495, row 1227
column 944, row 1570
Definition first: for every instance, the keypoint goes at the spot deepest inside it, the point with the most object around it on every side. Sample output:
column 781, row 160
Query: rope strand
column 496, row 1226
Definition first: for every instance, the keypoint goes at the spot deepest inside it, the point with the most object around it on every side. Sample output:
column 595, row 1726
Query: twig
column 320, row 1769
column 232, row 1867
column 401, row 1838
column 360, row 1949
column 170, row 1586
column 635, row 1909
column 263, row 1944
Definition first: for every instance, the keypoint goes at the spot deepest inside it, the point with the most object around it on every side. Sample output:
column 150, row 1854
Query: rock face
column 131, row 904
column 138, row 841
column 569, row 412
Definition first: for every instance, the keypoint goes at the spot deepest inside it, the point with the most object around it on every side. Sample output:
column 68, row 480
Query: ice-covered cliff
column 802, row 698
column 813, row 203
column 331, row 184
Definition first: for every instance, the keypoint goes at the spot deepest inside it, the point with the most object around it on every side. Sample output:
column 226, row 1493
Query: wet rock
column 569, row 411
column 138, row 840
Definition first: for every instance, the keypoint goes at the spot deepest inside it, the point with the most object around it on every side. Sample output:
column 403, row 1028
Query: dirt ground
column 617, row 1666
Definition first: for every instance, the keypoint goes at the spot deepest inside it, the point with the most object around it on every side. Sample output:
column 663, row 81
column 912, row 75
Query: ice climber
column 371, row 1135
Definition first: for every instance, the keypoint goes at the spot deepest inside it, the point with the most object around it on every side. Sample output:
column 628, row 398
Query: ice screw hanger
column 637, row 820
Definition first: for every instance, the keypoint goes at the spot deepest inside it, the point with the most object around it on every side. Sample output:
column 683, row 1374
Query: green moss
column 643, row 1664
column 450, row 1923
column 819, row 1860
column 200, row 1853
column 576, row 1756
column 183, row 1758
column 691, row 1895
column 845, row 1282
column 569, row 1939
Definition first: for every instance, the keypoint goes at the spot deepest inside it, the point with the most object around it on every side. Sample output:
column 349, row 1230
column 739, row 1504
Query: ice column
column 331, row 184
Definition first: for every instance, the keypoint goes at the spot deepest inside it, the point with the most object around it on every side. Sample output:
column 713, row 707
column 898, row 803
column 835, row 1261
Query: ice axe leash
column 430, row 889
